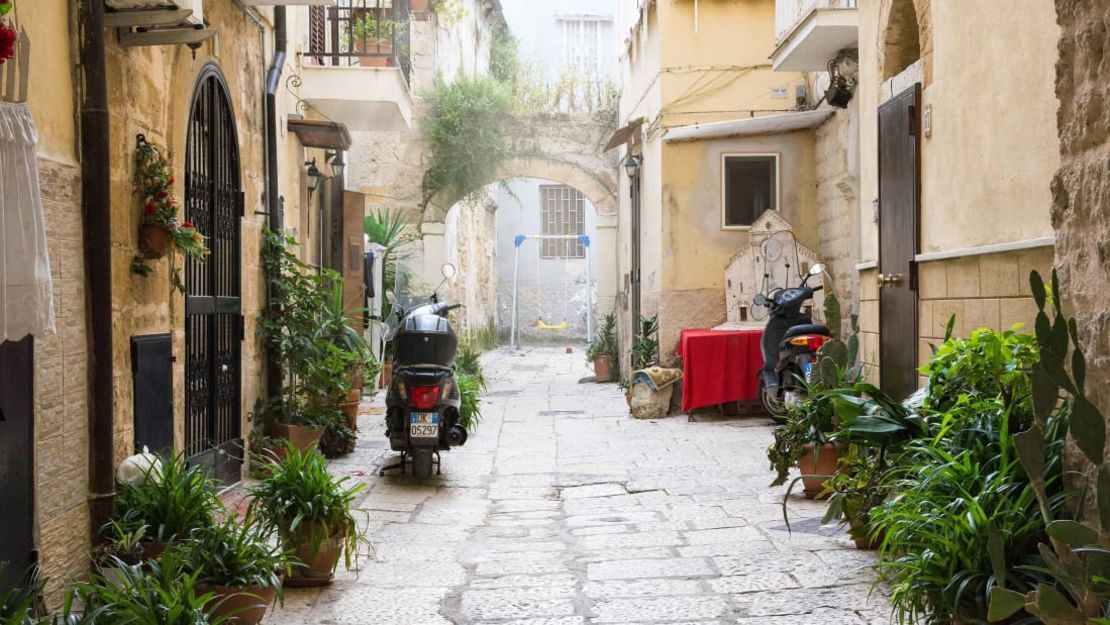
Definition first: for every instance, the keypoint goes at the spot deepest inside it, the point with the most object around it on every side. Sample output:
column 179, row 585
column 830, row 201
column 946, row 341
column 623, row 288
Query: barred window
column 582, row 46
column 564, row 212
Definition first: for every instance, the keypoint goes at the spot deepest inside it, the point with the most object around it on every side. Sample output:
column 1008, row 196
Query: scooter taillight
column 424, row 397
column 812, row 341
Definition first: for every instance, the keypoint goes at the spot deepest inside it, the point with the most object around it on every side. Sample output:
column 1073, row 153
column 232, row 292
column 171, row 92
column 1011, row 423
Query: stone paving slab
column 562, row 510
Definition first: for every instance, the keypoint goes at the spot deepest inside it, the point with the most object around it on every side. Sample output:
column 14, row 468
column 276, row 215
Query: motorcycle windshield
column 408, row 289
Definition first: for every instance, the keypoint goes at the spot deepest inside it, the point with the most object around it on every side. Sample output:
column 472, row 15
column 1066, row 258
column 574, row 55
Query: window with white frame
column 563, row 213
column 749, row 186
column 581, row 45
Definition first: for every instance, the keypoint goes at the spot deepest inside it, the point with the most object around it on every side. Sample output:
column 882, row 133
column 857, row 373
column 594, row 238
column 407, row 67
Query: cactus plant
column 1078, row 554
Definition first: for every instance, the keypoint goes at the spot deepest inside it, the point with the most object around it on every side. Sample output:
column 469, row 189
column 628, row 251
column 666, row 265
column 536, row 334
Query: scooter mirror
column 391, row 297
column 759, row 299
column 449, row 271
column 817, row 269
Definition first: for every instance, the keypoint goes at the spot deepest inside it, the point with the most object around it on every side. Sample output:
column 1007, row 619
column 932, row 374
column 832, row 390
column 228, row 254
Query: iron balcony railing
column 361, row 33
column 789, row 13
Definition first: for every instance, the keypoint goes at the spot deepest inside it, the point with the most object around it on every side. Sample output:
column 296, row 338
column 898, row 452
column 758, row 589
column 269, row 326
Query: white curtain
column 26, row 289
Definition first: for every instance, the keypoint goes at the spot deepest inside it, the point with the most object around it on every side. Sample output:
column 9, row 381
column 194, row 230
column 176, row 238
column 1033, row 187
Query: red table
column 719, row 366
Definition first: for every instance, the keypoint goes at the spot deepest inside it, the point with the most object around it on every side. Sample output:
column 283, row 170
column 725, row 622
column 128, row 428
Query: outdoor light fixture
column 632, row 165
column 314, row 176
column 337, row 164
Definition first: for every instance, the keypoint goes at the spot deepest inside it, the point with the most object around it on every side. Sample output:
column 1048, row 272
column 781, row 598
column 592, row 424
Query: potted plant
column 372, row 39
column 236, row 562
column 161, row 232
column 311, row 512
column 163, row 592
column 602, row 351
column 173, row 502
column 19, row 595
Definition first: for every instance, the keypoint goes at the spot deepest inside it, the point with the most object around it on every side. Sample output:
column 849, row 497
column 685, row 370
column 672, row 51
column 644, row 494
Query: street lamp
column 632, row 165
column 337, row 164
column 314, row 176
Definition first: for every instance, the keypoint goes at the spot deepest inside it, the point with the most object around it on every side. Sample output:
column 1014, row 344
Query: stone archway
column 905, row 36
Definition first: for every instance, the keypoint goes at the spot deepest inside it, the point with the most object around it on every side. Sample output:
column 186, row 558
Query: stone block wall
column 1081, row 189
column 836, row 153
column 61, row 390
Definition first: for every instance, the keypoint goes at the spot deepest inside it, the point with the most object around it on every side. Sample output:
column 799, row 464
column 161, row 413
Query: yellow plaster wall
column 987, row 167
column 720, row 69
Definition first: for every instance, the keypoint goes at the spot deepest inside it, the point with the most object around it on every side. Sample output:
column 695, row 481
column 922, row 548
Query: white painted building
column 570, row 43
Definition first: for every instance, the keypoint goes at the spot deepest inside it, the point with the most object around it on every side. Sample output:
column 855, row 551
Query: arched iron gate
column 213, row 323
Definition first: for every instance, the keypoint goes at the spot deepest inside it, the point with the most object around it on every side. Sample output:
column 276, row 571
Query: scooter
column 422, row 402
column 790, row 344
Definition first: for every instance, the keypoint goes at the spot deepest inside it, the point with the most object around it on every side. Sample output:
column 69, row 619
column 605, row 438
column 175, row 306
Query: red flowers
column 188, row 224
column 149, row 208
column 170, row 180
column 161, row 195
column 7, row 43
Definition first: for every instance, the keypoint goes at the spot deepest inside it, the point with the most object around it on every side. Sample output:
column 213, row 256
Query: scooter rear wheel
column 422, row 462
column 773, row 406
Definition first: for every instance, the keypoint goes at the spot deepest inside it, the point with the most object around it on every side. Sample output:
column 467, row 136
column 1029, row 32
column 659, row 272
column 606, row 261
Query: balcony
column 810, row 33
column 358, row 64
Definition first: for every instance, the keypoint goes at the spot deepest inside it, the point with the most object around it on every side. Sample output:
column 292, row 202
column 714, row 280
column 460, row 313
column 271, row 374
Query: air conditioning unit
column 156, row 12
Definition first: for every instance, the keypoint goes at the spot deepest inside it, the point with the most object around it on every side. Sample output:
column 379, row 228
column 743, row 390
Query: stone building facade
column 151, row 92
column 1081, row 189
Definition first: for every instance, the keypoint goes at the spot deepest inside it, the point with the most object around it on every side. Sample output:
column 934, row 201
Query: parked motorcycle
column 422, row 402
column 790, row 344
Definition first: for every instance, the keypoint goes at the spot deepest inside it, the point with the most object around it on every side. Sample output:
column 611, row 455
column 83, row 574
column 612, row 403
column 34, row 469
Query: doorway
column 213, row 323
column 899, row 214
column 16, row 454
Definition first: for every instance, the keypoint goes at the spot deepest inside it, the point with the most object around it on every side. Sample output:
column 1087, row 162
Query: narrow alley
column 562, row 510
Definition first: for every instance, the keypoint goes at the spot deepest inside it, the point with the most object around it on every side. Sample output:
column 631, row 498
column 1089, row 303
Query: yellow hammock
column 543, row 326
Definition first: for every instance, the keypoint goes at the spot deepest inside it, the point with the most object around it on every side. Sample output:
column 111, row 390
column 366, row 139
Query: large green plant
column 645, row 343
column 237, row 554
column 464, row 132
column 301, row 499
column 605, row 343
column 173, row 501
column 1075, row 559
column 18, row 594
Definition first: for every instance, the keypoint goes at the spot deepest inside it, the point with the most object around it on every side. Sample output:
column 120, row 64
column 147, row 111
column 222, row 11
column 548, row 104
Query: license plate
column 424, row 425
column 807, row 367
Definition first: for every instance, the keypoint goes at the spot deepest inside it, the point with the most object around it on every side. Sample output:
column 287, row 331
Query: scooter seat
column 806, row 328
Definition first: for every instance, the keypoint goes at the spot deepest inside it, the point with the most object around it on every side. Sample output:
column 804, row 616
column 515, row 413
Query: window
column 582, row 46
column 564, row 212
column 750, row 185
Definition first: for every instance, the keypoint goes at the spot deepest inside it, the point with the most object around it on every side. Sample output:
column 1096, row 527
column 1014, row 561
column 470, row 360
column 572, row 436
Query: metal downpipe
column 273, row 201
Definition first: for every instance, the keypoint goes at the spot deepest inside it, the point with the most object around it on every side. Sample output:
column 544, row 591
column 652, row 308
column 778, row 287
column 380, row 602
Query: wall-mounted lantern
column 337, row 164
column 632, row 165
column 314, row 176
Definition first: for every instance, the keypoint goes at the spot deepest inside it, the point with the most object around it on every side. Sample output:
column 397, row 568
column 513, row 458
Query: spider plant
column 468, row 362
column 470, row 408
column 173, row 502
column 18, row 594
column 306, row 505
column 160, row 592
column 237, row 554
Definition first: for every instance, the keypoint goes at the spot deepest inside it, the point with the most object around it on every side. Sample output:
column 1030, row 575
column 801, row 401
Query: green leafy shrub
column 172, row 503
column 18, row 595
column 605, row 344
column 300, row 497
column 468, row 362
column 470, row 407
column 645, row 344
column 237, row 554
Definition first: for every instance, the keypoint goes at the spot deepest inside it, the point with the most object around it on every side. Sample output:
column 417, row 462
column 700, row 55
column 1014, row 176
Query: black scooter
column 790, row 344
column 422, row 402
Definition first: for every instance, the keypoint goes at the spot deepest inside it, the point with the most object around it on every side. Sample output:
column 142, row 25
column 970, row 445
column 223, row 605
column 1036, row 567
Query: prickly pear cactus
column 1079, row 555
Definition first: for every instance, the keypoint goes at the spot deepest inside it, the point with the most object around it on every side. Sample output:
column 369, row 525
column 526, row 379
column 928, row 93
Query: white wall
column 537, row 29
column 547, row 287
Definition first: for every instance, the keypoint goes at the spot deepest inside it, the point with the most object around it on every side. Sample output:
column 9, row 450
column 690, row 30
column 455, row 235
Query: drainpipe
column 96, row 209
column 273, row 202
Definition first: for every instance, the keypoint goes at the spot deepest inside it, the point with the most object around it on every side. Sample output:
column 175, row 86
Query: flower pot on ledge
column 154, row 241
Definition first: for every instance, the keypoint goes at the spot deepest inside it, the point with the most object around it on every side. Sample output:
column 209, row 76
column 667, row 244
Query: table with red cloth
column 719, row 366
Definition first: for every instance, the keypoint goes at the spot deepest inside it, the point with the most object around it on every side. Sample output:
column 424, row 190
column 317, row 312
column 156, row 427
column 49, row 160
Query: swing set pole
column 516, row 280
column 589, row 292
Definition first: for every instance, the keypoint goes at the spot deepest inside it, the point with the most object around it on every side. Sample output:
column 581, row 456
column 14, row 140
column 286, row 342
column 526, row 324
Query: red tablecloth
column 719, row 366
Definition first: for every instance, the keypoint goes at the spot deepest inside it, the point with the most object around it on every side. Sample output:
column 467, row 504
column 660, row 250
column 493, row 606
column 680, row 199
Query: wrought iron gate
column 213, row 324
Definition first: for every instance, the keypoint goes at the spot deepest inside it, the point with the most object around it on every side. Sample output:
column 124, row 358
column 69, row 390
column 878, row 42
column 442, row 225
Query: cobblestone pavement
column 563, row 510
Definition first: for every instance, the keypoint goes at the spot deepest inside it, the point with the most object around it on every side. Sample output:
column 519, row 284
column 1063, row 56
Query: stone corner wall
column 1081, row 189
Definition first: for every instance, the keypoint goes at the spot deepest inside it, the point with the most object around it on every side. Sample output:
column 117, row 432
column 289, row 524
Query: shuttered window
column 564, row 212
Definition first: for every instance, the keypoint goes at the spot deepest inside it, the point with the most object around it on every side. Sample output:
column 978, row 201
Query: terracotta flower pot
column 243, row 606
column 303, row 437
column 153, row 549
column 861, row 535
column 318, row 564
column 387, row 374
column 350, row 410
column 154, row 241
column 603, row 368
column 811, row 465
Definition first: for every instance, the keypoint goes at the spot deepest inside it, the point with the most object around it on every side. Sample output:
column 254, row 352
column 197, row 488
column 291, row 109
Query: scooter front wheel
column 422, row 463
column 772, row 404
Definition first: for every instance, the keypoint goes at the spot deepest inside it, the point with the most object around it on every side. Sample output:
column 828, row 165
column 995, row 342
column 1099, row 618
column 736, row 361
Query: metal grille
column 564, row 212
column 582, row 46
column 362, row 33
column 213, row 203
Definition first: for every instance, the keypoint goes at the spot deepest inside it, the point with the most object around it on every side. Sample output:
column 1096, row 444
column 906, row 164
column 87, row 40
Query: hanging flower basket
column 161, row 232
column 154, row 241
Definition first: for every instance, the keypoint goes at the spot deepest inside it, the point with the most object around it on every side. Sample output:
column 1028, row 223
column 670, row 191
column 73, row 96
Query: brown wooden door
column 16, row 454
column 899, row 204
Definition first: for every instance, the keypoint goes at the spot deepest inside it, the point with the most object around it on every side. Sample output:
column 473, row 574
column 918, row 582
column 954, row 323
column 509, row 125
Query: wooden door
column 899, row 208
column 16, row 454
